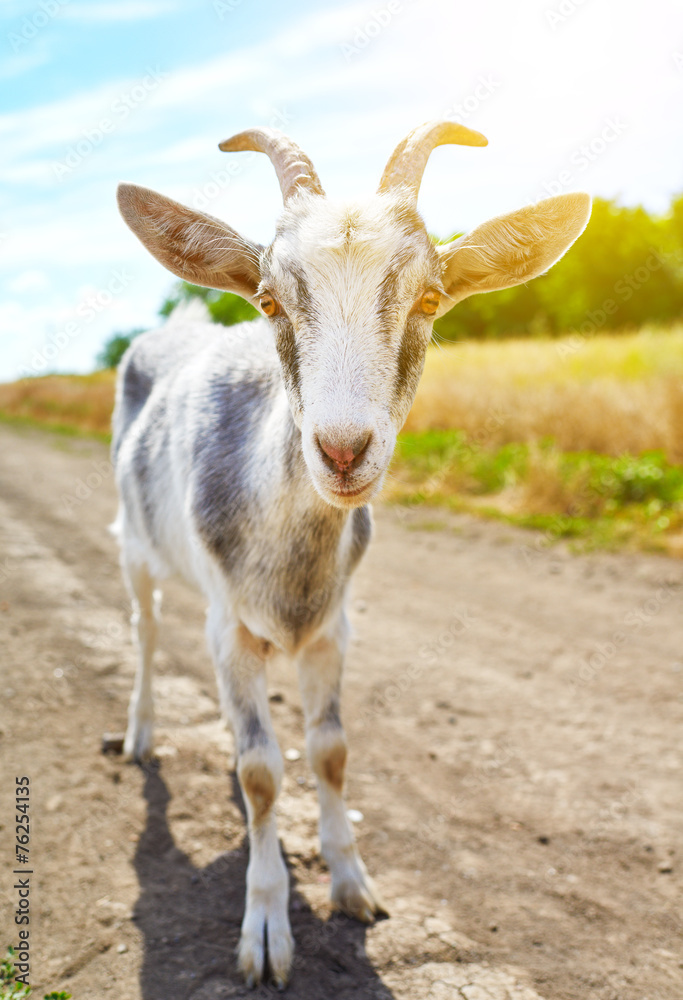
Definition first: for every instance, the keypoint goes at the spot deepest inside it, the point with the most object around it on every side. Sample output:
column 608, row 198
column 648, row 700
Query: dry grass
column 81, row 403
column 609, row 394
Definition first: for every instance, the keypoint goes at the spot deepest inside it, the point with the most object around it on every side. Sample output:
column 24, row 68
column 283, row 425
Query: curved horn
column 294, row 169
column 408, row 161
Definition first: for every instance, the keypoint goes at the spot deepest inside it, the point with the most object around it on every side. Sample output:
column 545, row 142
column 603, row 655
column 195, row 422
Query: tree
column 115, row 348
column 223, row 307
column 625, row 270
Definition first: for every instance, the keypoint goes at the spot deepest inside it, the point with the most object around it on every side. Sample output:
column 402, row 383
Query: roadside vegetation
column 11, row 990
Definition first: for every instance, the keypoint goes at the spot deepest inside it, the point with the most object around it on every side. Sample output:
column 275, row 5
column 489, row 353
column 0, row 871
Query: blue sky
column 572, row 94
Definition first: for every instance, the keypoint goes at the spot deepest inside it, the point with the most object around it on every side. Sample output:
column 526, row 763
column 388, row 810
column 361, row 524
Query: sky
column 572, row 95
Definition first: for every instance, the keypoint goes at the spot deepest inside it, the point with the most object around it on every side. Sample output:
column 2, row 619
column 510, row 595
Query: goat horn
column 294, row 169
column 408, row 161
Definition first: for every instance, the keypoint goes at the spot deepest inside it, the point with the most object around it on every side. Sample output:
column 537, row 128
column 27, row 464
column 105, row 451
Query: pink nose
column 344, row 456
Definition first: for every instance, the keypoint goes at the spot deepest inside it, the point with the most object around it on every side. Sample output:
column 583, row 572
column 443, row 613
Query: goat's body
column 202, row 425
column 245, row 459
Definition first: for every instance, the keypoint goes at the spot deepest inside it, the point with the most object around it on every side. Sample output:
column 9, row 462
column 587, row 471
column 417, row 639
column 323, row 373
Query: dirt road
column 514, row 715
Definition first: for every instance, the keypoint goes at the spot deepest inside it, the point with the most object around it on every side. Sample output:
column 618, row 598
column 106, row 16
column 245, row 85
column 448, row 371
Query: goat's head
column 352, row 290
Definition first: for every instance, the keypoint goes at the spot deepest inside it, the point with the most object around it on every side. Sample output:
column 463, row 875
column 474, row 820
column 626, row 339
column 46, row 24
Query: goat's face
column 352, row 292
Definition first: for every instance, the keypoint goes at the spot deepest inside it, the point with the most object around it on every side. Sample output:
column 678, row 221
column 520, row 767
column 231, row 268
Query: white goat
column 246, row 457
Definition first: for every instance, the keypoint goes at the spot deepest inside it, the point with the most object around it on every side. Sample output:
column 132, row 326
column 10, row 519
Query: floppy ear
column 511, row 248
column 192, row 245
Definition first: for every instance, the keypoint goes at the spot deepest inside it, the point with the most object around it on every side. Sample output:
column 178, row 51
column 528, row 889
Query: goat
column 245, row 458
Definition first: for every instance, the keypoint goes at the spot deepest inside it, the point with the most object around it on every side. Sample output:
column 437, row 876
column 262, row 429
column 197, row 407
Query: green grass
column 56, row 426
column 10, row 990
column 597, row 500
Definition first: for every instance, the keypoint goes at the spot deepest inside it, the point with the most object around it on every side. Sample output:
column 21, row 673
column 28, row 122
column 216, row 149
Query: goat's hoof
column 137, row 746
column 251, row 952
column 359, row 899
column 112, row 743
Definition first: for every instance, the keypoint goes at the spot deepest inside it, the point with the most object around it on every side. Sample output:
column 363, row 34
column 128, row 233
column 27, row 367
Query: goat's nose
column 344, row 455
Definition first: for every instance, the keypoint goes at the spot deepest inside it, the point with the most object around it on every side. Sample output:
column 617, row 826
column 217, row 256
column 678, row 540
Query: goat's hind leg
column 146, row 600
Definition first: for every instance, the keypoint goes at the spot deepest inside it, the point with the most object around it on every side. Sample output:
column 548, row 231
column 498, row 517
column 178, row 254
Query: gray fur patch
column 307, row 581
column 222, row 503
column 362, row 532
column 411, row 356
column 285, row 342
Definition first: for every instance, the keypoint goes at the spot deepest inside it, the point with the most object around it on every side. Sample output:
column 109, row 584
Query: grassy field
column 72, row 404
column 609, row 394
column 582, row 438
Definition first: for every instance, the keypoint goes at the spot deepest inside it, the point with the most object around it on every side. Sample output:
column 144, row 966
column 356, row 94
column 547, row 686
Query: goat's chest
column 296, row 584
column 287, row 583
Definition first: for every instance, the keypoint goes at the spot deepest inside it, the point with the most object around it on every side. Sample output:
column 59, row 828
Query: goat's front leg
column 240, row 661
column 320, row 668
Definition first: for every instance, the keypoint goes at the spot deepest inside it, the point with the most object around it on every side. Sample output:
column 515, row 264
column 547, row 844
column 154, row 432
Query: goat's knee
column 327, row 752
column 259, row 770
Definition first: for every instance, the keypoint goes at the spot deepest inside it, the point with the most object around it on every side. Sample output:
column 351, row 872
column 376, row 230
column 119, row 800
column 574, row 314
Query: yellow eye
column 269, row 305
column 429, row 303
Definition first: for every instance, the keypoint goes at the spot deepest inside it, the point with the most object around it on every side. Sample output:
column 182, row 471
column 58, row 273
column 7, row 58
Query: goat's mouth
column 348, row 494
column 345, row 492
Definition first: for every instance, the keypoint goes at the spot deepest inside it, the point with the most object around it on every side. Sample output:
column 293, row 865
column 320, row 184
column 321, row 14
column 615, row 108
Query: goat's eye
column 269, row 305
column 429, row 302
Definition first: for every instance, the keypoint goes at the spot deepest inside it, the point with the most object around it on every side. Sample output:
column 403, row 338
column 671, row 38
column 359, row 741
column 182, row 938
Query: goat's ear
column 196, row 247
column 511, row 248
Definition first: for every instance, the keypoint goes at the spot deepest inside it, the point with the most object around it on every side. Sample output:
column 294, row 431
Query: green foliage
column 115, row 348
column 599, row 499
column 9, row 990
column 224, row 307
column 625, row 270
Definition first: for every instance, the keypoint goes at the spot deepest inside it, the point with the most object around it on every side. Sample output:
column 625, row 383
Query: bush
column 115, row 348
column 224, row 307
column 9, row 990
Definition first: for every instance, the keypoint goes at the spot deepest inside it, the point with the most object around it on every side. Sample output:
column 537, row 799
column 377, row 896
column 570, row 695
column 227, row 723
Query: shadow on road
column 190, row 918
